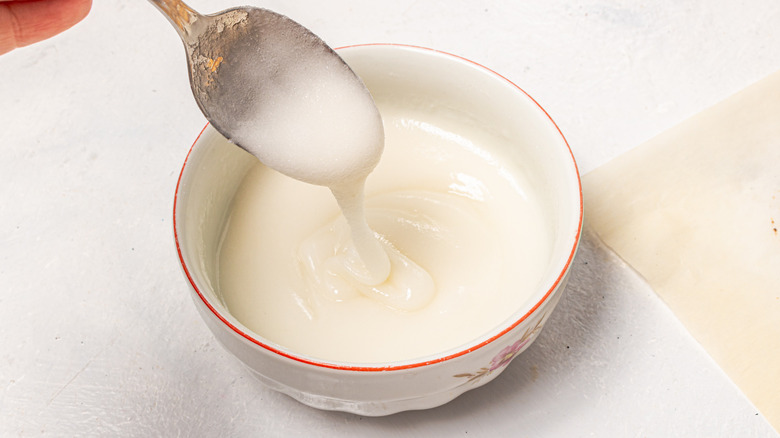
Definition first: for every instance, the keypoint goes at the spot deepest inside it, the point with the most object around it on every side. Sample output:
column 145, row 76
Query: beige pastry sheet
column 696, row 211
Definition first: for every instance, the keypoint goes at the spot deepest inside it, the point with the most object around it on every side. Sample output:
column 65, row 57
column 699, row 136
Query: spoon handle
column 180, row 15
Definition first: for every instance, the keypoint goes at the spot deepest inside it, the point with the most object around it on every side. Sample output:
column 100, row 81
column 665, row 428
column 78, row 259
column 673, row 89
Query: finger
column 26, row 22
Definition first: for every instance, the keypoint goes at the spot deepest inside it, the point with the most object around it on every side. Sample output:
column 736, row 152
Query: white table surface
column 98, row 336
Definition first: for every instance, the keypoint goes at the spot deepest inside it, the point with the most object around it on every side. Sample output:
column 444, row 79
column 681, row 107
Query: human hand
column 23, row 22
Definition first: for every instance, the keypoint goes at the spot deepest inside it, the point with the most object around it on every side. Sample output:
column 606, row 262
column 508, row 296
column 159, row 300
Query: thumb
column 23, row 22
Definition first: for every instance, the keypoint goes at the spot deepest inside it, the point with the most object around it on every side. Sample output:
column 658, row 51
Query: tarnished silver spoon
column 246, row 61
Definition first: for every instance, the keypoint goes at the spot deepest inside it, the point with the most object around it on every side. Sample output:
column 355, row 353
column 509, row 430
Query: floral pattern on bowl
column 506, row 355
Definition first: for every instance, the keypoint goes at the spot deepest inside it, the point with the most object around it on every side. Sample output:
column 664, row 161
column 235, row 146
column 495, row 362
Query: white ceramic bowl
column 214, row 169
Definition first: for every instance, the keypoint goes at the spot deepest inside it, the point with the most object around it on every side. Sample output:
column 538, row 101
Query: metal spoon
column 239, row 56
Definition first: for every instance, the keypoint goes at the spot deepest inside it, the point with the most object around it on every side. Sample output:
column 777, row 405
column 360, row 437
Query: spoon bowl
column 247, row 62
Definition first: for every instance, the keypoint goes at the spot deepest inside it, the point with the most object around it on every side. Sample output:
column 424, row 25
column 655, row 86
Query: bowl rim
column 414, row 364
